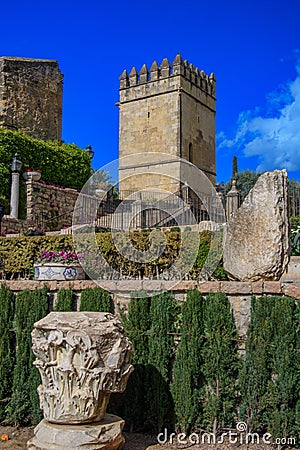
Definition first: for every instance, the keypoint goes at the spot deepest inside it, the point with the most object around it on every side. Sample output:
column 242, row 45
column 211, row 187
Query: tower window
column 148, row 114
column 190, row 155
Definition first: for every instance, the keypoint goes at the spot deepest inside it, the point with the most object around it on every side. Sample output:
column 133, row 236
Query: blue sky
column 253, row 47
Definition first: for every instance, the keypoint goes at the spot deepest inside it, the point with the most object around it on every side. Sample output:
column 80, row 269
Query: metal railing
column 146, row 209
column 294, row 200
column 149, row 209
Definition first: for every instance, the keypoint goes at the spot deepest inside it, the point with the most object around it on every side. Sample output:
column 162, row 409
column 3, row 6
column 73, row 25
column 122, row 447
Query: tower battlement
column 179, row 67
column 170, row 110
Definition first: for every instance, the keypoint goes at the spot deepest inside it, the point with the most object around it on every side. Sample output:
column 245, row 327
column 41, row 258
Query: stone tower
column 31, row 96
column 170, row 110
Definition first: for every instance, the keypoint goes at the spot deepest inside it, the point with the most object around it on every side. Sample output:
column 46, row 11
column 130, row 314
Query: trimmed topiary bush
column 65, row 300
column 137, row 324
column 187, row 376
column 220, row 364
column 96, row 299
column 163, row 314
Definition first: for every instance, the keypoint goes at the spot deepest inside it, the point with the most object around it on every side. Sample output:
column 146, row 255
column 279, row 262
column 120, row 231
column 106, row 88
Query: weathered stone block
column 291, row 289
column 272, row 287
column 257, row 236
column 31, row 96
column 209, row 286
column 231, row 287
column 104, row 435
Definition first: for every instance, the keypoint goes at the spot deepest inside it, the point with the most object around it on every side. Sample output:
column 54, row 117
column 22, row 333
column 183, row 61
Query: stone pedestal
column 82, row 358
column 104, row 435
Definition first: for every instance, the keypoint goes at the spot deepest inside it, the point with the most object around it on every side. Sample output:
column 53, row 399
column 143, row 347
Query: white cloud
column 274, row 137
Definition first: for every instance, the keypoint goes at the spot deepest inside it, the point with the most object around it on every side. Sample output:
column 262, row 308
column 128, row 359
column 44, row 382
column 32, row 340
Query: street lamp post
column 15, row 167
column 90, row 151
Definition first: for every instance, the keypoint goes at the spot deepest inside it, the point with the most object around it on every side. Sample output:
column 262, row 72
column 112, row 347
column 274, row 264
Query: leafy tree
column 23, row 407
column 7, row 346
column 244, row 182
column 220, row 363
column 187, row 384
column 102, row 179
column 65, row 300
column 64, row 164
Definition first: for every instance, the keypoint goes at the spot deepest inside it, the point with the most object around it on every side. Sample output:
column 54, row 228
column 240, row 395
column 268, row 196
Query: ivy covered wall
column 63, row 164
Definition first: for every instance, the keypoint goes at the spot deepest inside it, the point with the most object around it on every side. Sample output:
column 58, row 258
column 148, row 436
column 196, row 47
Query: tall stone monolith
column 257, row 235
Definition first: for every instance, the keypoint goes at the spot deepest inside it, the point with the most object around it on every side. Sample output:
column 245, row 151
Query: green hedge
column 212, row 387
column 186, row 362
column 20, row 253
column 63, row 164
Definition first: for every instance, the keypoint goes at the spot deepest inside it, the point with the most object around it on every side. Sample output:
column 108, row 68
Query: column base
column 104, row 435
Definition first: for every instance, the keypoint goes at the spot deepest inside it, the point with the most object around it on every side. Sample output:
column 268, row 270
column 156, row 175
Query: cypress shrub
column 271, row 374
column 137, row 324
column 187, row 374
column 96, row 299
column 297, row 347
column 65, row 300
column 285, row 364
column 220, row 363
column 161, row 354
column 256, row 370
column 23, row 408
column 7, row 346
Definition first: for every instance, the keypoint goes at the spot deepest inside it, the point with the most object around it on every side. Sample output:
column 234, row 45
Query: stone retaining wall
column 46, row 202
column 12, row 225
column 239, row 293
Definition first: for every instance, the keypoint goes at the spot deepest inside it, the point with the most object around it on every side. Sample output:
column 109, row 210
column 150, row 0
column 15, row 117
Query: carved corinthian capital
column 82, row 358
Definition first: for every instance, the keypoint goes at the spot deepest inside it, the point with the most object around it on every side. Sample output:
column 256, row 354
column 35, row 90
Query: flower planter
column 58, row 271
column 33, row 175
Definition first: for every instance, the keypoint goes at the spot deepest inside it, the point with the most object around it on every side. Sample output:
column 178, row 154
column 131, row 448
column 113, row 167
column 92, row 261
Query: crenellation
column 166, row 71
column 177, row 66
column 193, row 73
column 133, row 77
column 197, row 77
column 124, row 80
column 165, row 68
column 154, row 71
column 144, row 74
